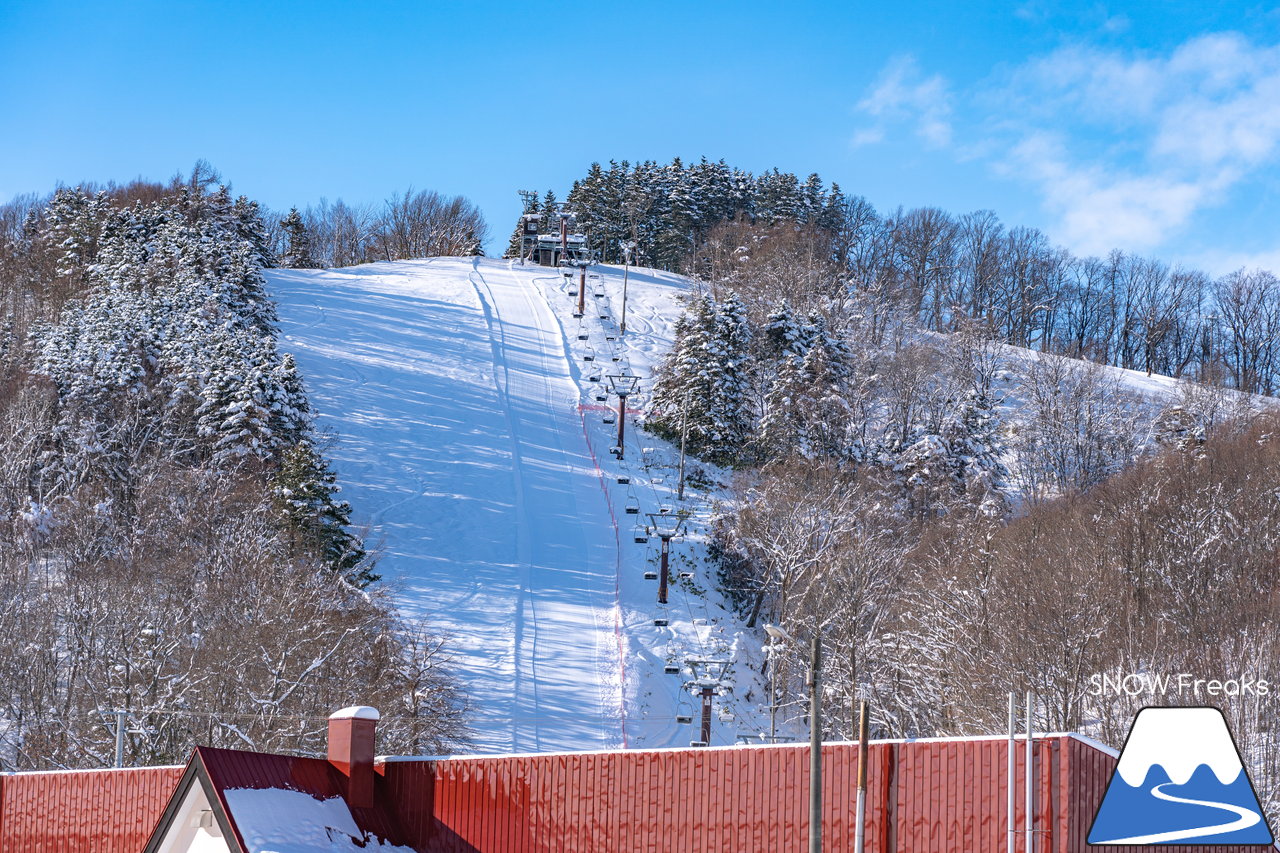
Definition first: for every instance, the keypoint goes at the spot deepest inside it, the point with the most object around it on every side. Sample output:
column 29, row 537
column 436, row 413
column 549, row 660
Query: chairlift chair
column 651, row 575
column 641, row 535
column 686, row 575
column 610, row 418
column 602, row 398
column 684, row 712
column 594, row 376
column 624, row 480
column 661, row 622
column 671, row 669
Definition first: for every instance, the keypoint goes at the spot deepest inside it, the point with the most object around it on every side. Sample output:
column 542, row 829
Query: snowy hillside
column 471, row 437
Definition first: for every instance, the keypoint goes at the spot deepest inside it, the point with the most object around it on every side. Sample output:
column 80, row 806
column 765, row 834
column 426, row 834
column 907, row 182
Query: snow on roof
column 282, row 821
column 356, row 712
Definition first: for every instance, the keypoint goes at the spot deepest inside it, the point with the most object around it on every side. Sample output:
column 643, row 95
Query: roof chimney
column 351, row 734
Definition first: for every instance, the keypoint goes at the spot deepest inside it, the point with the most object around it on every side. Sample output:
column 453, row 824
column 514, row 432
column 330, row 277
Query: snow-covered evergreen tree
column 297, row 251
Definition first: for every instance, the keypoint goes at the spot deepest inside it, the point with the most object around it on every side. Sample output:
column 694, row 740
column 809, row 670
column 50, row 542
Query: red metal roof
column 230, row 768
column 935, row 796
column 938, row 796
column 86, row 811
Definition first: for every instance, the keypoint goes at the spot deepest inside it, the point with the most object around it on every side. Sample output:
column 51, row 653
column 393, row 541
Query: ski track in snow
column 450, row 388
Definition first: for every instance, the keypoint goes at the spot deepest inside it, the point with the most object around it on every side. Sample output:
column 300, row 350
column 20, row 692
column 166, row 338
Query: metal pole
column 622, row 422
column 582, row 293
column 120, row 723
column 860, row 829
column 662, row 572
column 1011, row 771
column 773, row 689
column 684, row 433
column 564, row 238
column 1031, row 783
column 706, row 715
column 626, row 270
column 815, row 746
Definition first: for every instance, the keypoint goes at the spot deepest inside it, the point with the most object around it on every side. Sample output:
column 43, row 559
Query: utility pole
column 624, row 385
column 1011, row 772
column 582, row 290
column 1030, row 804
column 776, row 634
column 120, row 723
column 864, row 753
column 626, row 272
column 815, row 744
column 684, row 434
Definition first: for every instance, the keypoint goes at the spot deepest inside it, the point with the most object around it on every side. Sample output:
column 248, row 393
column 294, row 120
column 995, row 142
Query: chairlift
column 671, row 669
column 577, row 315
column 651, row 576
column 582, row 336
column 686, row 575
column 624, row 479
column 610, row 337
column 610, row 418
column 633, row 508
column 641, row 536
column 684, row 712
column 661, row 622
column 727, row 716
column 594, row 376
column 697, row 743
column 590, row 356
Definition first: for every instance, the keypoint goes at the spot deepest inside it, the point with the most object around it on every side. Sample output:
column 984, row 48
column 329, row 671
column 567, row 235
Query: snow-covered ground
column 471, row 438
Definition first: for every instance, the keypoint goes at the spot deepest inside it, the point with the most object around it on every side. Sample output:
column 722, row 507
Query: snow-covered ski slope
column 471, row 437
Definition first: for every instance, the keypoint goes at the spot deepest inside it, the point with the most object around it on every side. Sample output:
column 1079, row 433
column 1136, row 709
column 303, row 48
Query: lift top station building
column 555, row 243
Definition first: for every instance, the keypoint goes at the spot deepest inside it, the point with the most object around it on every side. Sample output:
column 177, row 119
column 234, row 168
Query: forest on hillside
column 855, row 370
column 176, row 547
column 945, row 270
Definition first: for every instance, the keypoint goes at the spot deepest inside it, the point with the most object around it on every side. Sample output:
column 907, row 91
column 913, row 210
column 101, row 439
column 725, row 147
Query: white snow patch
column 273, row 820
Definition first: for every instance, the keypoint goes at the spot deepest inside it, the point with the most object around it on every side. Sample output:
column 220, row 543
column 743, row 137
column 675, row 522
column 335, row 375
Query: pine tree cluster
column 173, row 346
column 175, row 541
column 666, row 210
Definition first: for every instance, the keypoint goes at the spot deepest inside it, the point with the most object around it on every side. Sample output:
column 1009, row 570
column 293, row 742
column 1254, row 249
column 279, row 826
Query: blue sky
column 1152, row 127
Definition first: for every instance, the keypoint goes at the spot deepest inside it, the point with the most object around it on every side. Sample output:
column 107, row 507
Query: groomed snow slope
column 470, row 436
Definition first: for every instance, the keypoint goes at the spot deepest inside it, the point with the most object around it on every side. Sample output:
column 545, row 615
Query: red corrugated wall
column 923, row 797
column 101, row 811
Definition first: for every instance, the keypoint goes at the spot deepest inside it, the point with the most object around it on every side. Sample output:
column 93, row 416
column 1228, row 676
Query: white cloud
column 1123, row 148
column 903, row 94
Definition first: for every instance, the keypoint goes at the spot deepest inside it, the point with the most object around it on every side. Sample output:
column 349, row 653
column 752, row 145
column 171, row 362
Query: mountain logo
column 1180, row 780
